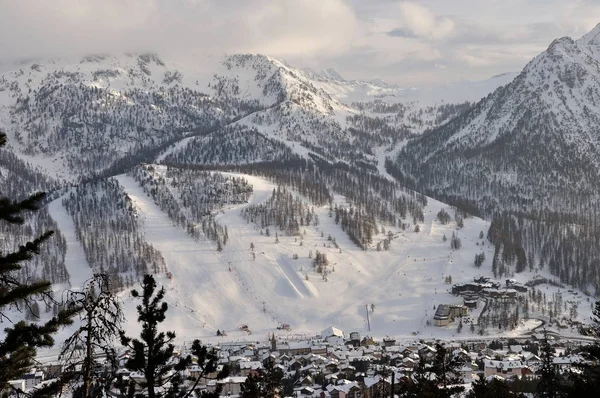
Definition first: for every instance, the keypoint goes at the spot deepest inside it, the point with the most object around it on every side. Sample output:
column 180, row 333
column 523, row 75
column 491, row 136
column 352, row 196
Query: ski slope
column 75, row 260
column 203, row 294
column 212, row 291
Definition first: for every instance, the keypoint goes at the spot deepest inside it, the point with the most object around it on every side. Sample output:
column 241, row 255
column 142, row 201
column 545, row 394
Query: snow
column 210, row 291
column 403, row 283
column 203, row 293
column 75, row 260
column 366, row 91
column 174, row 148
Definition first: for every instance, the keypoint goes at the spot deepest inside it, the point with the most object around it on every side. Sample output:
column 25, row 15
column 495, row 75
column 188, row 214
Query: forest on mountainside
column 282, row 210
column 19, row 180
column 370, row 198
column 192, row 198
column 107, row 226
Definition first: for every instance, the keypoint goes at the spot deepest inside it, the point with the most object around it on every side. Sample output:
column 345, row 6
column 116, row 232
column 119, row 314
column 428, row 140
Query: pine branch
column 10, row 262
column 22, row 292
column 10, row 210
column 32, row 335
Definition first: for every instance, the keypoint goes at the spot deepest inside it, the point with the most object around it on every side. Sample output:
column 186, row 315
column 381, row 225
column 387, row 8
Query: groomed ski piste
column 209, row 290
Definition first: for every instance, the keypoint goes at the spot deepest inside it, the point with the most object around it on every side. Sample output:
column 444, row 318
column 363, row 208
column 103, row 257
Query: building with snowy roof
column 332, row 332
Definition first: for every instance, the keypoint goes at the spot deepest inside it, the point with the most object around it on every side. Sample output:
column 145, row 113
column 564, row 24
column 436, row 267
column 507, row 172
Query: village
column 337, row 364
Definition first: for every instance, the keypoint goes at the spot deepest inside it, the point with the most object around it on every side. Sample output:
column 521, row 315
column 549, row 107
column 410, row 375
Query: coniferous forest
column 107, row 226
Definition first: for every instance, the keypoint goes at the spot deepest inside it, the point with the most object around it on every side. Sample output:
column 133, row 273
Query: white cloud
column 404, row 42
column 421, row 22
column 278, row 28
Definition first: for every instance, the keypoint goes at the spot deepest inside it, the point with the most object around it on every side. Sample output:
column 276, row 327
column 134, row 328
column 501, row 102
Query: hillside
column 272, row 205
column 210, row 290
column 529, row 144
column 74, row 117
column 529, row 149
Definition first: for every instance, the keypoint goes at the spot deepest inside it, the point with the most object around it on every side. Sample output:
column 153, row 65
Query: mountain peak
column 332, row 73
column 591, row 38
column 559, row 43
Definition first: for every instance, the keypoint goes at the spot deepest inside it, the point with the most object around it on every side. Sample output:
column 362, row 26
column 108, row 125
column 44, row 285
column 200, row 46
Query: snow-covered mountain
column 349, row 91
column 308, row 148
column 531, row 148
column 534, row 136
column 80, row 116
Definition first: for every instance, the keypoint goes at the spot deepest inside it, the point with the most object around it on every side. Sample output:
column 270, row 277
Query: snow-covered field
column 211, row 291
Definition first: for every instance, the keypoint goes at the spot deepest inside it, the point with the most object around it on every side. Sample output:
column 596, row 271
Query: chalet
column 294, row 348
column 462, row 354
column 566, row 362
column 304, row 382
column 502, row 368
column 250, row 368
column 307, row 391
column 407, row 352
column 333, row 378
column 268, row 358
column 196, row 371
column 427, row 351
column 331, row 367
column 468, row 372
column 345, row 389
column 285, row 358
column 295, row 365
column 532, row 360
column 318, row 349
column 408, row 363
column 377, row 387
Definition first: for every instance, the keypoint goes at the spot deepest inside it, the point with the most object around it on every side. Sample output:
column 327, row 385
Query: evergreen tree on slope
column 153, row 352
column 18, row 349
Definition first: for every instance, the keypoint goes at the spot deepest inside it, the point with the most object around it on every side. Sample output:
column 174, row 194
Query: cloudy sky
column 420, row 42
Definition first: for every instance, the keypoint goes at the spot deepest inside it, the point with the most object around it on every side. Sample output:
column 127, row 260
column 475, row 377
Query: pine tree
column 495, row 388
column 266, row 384
column 421, row 383
column 153, row 352
column 549, row 385
column 251, row 387
column 446, row 368
column 101, row 317
column 18, row 349
column 584, row 381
